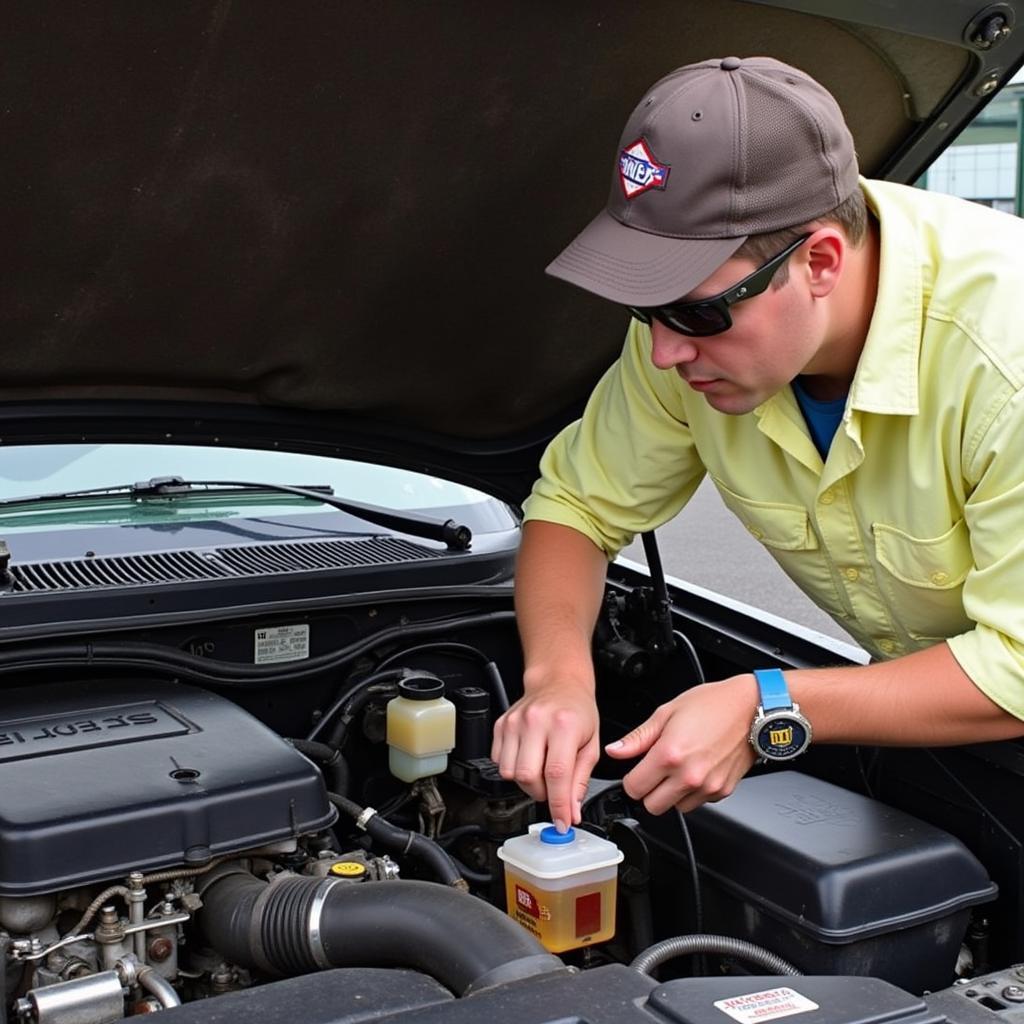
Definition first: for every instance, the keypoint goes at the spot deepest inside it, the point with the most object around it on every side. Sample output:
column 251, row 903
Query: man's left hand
column 696, row 747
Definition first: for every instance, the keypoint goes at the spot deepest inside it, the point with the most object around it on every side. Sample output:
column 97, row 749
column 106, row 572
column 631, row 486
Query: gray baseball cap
column 715, row 152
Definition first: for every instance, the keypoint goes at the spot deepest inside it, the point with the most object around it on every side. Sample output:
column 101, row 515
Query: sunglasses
column 711, row 316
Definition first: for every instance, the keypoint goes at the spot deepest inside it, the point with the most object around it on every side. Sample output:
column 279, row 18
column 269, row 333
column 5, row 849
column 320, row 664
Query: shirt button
column 851, row 574
column 938, row 578
column 755, row 532
column 887, row 645
column 827, row 498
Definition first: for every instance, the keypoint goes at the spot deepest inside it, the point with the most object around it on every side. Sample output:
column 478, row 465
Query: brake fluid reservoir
column 561, row 887
column 420, row 728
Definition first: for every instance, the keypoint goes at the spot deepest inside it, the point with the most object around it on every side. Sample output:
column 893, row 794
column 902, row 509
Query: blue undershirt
column 823, row 418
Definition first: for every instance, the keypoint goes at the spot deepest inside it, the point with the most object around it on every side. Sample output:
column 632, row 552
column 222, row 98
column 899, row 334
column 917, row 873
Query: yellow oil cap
column 348, row 869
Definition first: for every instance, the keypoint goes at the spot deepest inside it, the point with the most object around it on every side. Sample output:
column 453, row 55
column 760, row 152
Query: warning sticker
column 281, row 643
column 768, row 1005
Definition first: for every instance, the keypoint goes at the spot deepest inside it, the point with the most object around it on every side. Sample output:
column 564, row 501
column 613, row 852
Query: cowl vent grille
column 214, row 564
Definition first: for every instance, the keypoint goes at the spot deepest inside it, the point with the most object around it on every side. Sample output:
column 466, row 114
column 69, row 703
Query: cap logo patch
column 639, row 170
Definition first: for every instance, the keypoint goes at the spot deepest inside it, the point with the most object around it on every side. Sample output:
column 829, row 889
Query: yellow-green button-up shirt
column 912, row 530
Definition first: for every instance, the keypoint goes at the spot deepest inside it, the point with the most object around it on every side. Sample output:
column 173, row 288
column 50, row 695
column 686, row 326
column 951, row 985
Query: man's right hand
column 548, row 740
column 548, row 743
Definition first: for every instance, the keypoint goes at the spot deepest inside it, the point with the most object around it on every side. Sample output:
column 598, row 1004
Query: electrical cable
column 698, row 903
column 698, row 669
column 350, row 694
column 453, row 835
column 160, row 659
column 659, row 586
column 720, row 945
column 673, row 637
column 698, row 908
column 497, row 684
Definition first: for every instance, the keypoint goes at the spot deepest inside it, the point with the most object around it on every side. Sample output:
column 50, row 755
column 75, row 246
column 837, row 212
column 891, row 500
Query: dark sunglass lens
column 639, row 314
column 698, row 320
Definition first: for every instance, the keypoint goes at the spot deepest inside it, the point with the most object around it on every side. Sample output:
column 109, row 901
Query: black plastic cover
column 838, row 866
column 605, row 995
column 346, row 995
column 810, row 1000
column 102, row 780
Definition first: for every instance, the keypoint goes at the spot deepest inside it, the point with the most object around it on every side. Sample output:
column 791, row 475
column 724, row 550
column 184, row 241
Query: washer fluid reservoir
column 561, row 886
column 420, row 728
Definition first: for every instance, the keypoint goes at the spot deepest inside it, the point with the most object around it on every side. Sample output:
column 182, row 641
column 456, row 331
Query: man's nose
column 670, row 348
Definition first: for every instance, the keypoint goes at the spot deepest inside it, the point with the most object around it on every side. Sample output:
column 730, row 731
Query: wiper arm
column 456, row 536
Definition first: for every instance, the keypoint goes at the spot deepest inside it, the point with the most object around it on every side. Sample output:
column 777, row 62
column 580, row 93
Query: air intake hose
column 298, row 924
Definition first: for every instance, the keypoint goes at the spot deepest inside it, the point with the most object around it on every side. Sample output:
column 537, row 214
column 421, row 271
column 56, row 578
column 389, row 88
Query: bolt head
column 160, row 949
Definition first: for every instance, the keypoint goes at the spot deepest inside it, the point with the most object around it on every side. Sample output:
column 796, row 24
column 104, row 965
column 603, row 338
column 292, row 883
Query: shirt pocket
column 786, row 531
column 923, row 578
column 777, row 526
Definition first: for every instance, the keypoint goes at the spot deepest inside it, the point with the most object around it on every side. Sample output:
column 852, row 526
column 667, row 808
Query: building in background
column 984, row 163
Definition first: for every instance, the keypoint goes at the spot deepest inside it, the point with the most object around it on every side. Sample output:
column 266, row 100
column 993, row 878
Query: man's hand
column 697, row 746
column 548, row 743
column 548, row 740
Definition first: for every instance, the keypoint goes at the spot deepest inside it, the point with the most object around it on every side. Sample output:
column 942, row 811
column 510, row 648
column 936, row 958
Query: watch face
column 781, row 737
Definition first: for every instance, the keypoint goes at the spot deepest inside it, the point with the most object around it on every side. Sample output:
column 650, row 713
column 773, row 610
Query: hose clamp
column 316, row 941
column 364, row 818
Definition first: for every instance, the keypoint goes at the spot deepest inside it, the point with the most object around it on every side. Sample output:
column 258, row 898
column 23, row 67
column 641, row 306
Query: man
column 843, row 358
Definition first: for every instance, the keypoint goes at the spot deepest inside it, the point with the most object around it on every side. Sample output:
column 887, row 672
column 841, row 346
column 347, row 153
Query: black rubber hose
column 299, row 924
column 331, row 761
column 348, row 694
column 720, row 945
column 403, row 843
column 355, row 707
column 453, row 835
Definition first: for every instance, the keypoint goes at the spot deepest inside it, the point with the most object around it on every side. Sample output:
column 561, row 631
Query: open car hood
column 323, row 227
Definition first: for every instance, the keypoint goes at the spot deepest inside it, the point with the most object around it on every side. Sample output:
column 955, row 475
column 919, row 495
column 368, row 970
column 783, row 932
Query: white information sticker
column 281, row 643
column 768, row 1005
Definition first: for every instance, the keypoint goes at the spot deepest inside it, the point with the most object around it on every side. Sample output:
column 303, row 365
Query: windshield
column 35, row 469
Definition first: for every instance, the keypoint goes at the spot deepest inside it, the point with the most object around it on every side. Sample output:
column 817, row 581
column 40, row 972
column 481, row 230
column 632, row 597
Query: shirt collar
column 886, row 380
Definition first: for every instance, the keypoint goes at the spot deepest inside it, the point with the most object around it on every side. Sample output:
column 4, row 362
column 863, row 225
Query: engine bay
column 182, row 824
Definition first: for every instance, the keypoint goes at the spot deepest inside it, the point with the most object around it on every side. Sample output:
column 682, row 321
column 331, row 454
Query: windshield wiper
column 456, row 536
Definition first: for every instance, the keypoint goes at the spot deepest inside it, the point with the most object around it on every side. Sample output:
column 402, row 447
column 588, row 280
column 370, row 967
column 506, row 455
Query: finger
column 560, row 775
column 508, row 753
column 640, row 740
column 665, row 765
column 715, row 788
column 669, row 793
column 691, row 801
column 585, row 761
column 530, row 762
column 497, row 738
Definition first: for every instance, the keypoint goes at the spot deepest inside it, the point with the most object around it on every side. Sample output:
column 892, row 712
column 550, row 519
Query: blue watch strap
column 774, row 691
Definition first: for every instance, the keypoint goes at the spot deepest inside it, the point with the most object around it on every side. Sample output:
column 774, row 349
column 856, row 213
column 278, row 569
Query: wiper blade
column 455, row 535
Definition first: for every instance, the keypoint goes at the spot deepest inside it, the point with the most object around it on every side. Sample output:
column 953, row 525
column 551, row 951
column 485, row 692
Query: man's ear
column 825, row 257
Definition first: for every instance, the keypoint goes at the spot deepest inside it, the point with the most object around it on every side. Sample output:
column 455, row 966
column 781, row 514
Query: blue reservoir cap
column 553, row 837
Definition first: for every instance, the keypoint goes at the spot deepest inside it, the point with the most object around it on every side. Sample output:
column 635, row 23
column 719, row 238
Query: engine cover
column 102, row 780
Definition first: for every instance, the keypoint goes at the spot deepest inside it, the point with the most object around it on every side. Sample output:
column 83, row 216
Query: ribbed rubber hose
column 299, row 924
column 719, row 945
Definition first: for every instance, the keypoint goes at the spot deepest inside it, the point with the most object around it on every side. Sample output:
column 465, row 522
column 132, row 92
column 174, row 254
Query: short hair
column 851, row 215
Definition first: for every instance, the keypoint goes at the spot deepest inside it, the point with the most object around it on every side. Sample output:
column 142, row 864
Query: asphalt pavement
column 707, row 545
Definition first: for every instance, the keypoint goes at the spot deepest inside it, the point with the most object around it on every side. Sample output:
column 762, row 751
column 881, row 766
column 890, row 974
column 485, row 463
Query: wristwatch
column 779, row 732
